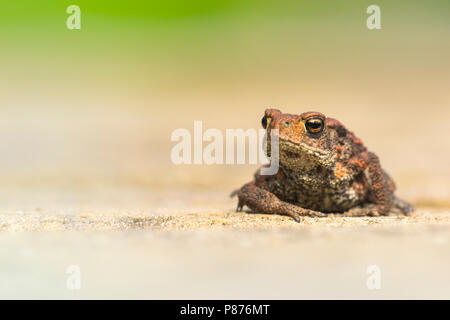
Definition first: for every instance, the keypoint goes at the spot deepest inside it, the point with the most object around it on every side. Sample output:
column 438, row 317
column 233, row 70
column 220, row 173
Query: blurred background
column 86, row 115
column 97, row 106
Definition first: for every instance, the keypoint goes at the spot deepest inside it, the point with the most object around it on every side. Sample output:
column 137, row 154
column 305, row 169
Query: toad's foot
column 368, row 210
column 261, row 200
column 404, row 206
column 373, row 210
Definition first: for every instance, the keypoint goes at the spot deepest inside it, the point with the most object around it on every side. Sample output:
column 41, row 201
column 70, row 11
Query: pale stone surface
column 253, row 257
column 133, row 250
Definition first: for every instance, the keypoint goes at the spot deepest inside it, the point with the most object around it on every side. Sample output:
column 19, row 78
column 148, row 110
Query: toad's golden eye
column 314, row 125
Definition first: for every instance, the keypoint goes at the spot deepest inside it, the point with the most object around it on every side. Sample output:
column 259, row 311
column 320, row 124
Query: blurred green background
column 139, row 46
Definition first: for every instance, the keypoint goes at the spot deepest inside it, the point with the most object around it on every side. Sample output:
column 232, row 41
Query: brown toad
column 323, row 168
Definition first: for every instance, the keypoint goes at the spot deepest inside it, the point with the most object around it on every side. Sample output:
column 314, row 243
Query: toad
column 323, row 168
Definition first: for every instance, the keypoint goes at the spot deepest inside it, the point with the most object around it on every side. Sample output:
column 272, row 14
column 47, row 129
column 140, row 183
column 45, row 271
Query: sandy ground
column 126, row 248
column 89, row 219
column 274, row 260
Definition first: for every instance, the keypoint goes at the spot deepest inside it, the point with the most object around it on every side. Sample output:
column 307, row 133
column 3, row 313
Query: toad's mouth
column 300, row 152
column 297, row 149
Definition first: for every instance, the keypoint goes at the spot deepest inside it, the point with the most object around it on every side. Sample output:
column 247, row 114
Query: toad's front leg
column 261, row 200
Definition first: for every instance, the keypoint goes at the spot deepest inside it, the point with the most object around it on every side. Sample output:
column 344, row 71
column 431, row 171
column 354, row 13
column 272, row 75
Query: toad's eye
column 264, row 122
column 314, row 125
